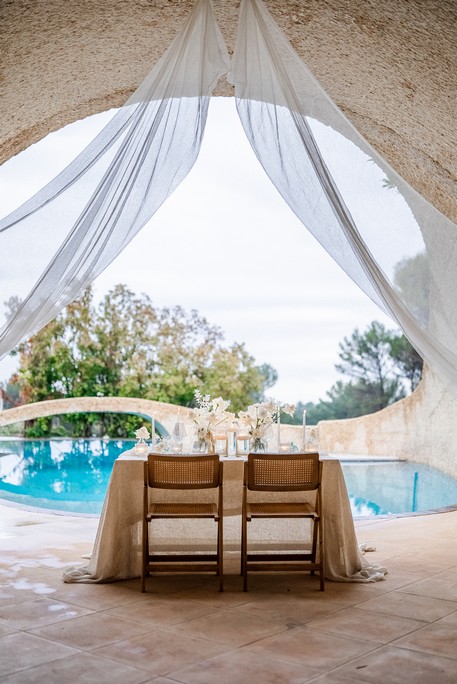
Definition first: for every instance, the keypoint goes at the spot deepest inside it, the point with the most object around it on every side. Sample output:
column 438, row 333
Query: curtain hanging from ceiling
column 58, row 242
column 398, row 248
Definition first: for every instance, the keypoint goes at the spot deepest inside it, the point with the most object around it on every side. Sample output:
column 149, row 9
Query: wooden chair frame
column 283, row 473
column 188, row 472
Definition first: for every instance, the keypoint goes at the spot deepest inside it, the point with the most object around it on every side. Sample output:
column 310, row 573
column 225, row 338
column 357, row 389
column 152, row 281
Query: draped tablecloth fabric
column 117, row 549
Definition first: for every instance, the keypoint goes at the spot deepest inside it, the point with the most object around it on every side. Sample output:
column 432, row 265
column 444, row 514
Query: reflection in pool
column 72, row 476
column 61, row 474
column 379, row 488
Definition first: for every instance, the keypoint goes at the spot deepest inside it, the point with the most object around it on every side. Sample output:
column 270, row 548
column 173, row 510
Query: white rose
column 142, row 433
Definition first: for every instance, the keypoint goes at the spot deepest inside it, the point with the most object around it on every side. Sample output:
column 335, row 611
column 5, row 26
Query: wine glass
column 179, row 435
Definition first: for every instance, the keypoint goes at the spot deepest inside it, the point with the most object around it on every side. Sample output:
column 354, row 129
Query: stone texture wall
column 391, row 66
column 421, row 427
column 163, row 413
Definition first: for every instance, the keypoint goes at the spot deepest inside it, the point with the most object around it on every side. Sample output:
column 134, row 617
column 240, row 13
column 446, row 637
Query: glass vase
column 204, row 444
column 141, row 447
column 258, row 445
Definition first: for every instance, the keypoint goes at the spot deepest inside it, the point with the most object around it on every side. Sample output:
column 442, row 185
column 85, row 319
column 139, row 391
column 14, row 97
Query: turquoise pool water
column 72, row 476
column 62, row 474
column 380, row 488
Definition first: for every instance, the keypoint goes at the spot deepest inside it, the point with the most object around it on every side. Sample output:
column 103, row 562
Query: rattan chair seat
column 185, row 510
column 268, row 509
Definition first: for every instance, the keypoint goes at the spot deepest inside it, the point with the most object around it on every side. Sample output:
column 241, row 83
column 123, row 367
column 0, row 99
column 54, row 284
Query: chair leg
column 244, row 553
column 144, row 555
column 220, row 552
column 321, row 556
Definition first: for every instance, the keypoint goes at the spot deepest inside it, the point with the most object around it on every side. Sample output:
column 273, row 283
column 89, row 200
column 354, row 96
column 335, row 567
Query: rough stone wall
column 391, row 66
column 420, row 428
column 163, row 413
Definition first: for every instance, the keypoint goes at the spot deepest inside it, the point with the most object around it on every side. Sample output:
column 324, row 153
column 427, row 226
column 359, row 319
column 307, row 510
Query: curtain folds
column 386, row 237
column 68, row 233
column 397, row 247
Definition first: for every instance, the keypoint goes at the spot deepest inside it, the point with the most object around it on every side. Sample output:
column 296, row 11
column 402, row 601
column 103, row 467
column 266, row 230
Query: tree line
column 124, row 346
column 383, row 367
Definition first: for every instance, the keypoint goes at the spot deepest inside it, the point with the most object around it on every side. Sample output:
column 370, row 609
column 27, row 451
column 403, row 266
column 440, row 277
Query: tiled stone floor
column 403, row 629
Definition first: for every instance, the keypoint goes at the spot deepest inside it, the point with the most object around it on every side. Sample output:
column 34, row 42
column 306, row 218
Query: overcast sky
column 225, row 243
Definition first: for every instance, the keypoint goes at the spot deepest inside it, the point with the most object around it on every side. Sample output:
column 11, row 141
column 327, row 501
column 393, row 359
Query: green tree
column 366, row 357
column 383, row 367
column 127, row 347
column 408, row 362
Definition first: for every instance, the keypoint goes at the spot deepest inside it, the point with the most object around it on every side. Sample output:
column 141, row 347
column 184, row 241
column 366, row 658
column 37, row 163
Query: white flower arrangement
column 258, row 418
column 208, row 414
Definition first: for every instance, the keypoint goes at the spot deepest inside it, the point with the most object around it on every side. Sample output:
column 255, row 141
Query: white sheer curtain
column 397, row 247
column 59, row 241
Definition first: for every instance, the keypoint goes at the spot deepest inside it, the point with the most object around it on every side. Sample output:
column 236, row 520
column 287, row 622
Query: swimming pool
column 72, row 476
column 395, row 487
column 61, row 474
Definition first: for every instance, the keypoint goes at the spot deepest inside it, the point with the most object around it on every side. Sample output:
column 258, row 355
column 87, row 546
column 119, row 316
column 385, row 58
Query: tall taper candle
column 279, row 427
column 304, row 429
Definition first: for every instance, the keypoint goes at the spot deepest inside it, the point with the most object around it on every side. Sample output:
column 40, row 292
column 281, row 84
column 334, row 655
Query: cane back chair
column 270, row 473
column 176, row 472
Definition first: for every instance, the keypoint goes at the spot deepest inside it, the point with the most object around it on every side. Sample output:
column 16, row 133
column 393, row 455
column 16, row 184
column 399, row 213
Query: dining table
column 117, row 550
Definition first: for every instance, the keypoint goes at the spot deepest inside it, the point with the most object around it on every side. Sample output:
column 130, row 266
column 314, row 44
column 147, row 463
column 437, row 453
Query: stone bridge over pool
column 162, row 413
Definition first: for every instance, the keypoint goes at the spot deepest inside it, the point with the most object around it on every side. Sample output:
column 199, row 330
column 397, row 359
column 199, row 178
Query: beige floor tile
column 91, row 631
column 10, row 595
column 351, row 593
column 162, row 611
column 4, row 629
column 450, row 619
column 290, row 609
column 43, row 611
column 97, row 596
column 439, row 638
column 449, row 574
column 233, row 595
column 410, row 606
column 22, row 586
column 434, row 587
column 335, row 637
column 332, row 678
column 20, row 651
column 161, row 652
column 390, row 665
column 230, row 628
column 416, row 571
column 283, row 581
column 315, row 649
column 426, row 564
column 363, row 624
column 245, row 668
column 170, row 584
column 84, row 668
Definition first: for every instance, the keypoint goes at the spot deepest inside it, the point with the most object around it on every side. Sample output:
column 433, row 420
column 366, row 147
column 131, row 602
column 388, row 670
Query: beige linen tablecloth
column 117, row 550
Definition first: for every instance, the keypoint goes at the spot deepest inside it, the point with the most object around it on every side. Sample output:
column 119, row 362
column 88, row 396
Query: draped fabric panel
column 61, row 239
column 397, row 247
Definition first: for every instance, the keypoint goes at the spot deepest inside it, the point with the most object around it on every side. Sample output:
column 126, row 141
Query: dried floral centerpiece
column 258, row 420
column 142, row 435
column 208, row 414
